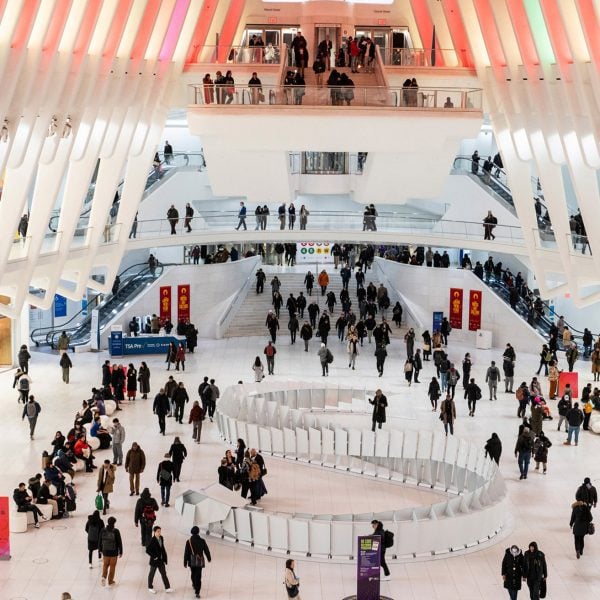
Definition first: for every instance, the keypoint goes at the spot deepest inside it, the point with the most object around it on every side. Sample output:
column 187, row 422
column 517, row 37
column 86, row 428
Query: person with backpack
column 540, row 451
column 522, row 396
column 523, row 451
column 158, row 560
column 379, row 403
column 135, row 463
column 145, row 515
column 545, row 359
column 492, row 378
column 24, row 386
column 93, row 528
column 535, row 571
column 65, row 365
column 574, row 419
column 194, row 555
column 164, row 478
column 325, row 358
column 472, row 394
column 24, row 357
column 106, row 482
column 111, row 548
column 31, row 410
column 564, row 406
column 387, row 541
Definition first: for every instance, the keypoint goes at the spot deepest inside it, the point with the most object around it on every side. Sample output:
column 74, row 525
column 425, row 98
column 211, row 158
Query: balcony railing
column 242, row 55
column 423, row 57
column 421, row 98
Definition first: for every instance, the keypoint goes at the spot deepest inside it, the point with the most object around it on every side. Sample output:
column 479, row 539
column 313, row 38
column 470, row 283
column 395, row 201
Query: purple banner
column 368, row 565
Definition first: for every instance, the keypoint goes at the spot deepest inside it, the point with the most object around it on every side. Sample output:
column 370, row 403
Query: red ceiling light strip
column 117, row 28
column 522, row 30
column 556, row 32
column 87, row 26
column 458, row 33
column 57, row 25
column 234, row 14
column 207, row 14
column 25, row 24
column 491, row 36
column 145, row 30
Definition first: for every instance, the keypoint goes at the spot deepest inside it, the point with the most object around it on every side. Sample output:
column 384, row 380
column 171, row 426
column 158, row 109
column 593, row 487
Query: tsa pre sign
column 456, row 308
column 183, row 302
column 475, row 298
column 165, row 303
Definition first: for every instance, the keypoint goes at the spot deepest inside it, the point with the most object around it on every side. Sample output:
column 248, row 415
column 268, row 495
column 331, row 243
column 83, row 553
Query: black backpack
column 388, row 539
column 109, row 540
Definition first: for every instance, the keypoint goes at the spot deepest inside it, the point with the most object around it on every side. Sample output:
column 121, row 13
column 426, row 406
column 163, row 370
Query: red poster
column 165, row 303
column 183, row 302
column 456, row 308
column 475, row 300
column 571, row 379
column 4, row 529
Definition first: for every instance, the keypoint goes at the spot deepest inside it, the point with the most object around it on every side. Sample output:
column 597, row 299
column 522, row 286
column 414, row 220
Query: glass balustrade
column 422, row 98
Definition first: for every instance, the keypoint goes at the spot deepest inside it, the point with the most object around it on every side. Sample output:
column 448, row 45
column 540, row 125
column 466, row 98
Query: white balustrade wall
column 282, row 420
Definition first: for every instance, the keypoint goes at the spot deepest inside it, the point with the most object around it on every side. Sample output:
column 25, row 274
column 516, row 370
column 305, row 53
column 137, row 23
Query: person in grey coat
column 118, row 439
column 31, row 410
column 325, row 357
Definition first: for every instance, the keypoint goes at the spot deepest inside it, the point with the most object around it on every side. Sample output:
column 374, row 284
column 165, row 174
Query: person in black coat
column 180, row 397
column 196, row 549
column 164, row 477
column 535, row 570
column 161, row 408
column 493, row 448
column 581, row 517
column 379, row 405
column 106, row 379
column 93, row 528
column 512, row 570
column 145, row 515
column 178, row 453
column 158, row 558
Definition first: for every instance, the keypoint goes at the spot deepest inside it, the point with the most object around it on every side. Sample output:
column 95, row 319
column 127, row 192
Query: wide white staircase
column 250, row 317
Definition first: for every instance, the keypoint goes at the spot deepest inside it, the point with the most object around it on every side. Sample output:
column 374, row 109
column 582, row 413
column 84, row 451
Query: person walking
column 434, row 393
column 291, row 581
column 241, row 217
column 540, row 451
column 553, row 374
column 379, row 403
column 111, row 548
column 24, row 357
column 325, row 358
column 144, row 380
column 306, row 334
column 352, row 351
column 93, row 527
column 164, row 478
column 492, row 378
column 270, row 351
column 574, row 419
column 493, row 448
column 380, row 356
column 535, row 571
column 323, row 281
column 161, row 409
column 189, row 215
column 180, row 399
column 448, row 414
column 417, row 365
column 197, row 415
column 195, row 555
column 379, row 530
column 178, row 454
column 523, row 451
column 173, row 218
column 144, row 516
column 106, row 482
column 581, row 524
column 293, row 327
column 472, row 394
column 512, row 570
column 587, row 493
column 118, row 439
column 31, row 410
column 65, row 365
column 135, row 463
column 180, row 357
column 158, row 560
column 408, row 370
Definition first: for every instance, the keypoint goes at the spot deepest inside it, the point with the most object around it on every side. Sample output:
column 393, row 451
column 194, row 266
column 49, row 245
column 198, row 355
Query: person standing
column 168, row 152
column 448, row 414
column 493, row 448
column 145, row 515
column 106, row 482
column 173, row 218
column 323, row 281
column 379, row 403
column 380, row 356
column 472, row 394
column 281, row 216
column 574, row 419
column 164, row 478
column 553, row 374
column 512, row 570
column 178, row 454
column 523, row 451
column 194, row 555
column 189, row 215
column 492, row 378
column 434, row 393
column 270, row 352
column 118, row 439
column 581, row 519
column 417, row 365
column 63, row 342
column 24, row 357
column 587, row 493
column 111, row 548
column 180, row 358
column 180, row 399
column 352, row 351
column 259, row 370
column 540, row 451
column 535, row 570
column 144, row 379
column 325, row 358
column 306, row 334
column 241, row 217
column 93, row 527
column 260, row 281
column 378, row 530
column 197, row 415
column 31, row 410
column 158, row 560
column 65, row 365
column 161, row 409
column 293, row 327
column 564, row 406
column 135, row 463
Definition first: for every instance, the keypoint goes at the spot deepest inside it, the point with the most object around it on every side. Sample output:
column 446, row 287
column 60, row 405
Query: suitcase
column 568, row 378
column 71, row 505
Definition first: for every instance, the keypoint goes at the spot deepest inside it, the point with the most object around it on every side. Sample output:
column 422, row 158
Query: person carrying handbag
column 196, row 549
column 292, row 583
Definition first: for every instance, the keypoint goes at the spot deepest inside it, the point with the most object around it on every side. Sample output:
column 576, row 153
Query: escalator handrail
column 64, row 326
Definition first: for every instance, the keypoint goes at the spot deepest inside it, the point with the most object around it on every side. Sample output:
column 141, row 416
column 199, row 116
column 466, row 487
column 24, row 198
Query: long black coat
column 581, row 517
column 379, row 406
column 512, row 570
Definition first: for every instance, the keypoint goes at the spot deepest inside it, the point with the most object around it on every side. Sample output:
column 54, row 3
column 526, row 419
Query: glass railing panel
column 578, row 244
column 244, row 55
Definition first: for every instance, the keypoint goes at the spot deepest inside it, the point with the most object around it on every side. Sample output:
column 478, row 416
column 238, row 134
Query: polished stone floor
column 53, row 559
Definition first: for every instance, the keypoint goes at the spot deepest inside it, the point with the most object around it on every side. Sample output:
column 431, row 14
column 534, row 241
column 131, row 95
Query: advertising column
column 368, row 567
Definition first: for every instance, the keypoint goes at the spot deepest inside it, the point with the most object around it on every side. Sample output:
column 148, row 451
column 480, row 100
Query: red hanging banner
column 475, row 300
column 183, row 302
column 4, row 529
column 165, row 303
column 456, row 308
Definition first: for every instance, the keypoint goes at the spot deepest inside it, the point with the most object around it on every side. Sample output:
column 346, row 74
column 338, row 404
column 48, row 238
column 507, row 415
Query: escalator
column 160, row 172
column 133, row 281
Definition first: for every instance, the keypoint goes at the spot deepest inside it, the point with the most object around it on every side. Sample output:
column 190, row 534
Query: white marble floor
column 53, row 559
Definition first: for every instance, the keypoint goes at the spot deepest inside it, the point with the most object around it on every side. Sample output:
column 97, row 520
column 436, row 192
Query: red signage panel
column 183, row 302
column 475, row 300
column 456, row 308
column 165, row 303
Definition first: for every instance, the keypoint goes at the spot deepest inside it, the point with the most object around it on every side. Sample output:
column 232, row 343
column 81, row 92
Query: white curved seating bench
column 110, row 406
column 281, row 421
column 19, row 521
column 595, row 421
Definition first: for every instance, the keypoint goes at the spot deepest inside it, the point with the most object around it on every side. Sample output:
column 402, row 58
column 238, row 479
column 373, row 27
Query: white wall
column 429, row 291
column 212, row 290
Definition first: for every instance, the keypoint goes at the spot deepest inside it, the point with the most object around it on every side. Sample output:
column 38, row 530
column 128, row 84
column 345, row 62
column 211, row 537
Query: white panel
column 289, row 442
column 298, row 536
column 410, row 444
column 382, row 441
column 438, row 445
column 252, row 433
column 264, row 435
column 341, row 442
column 304, row 398
column 396, row 443
column 463, row 453
column 319, row 537
column 260, row 529
column 342, row 538
column 424, row 445
column 242, row 525
column 317, row 398
column 278, row 532
column 354, row 442
column 314, row 438
column 301, row 442
column 277, row 440
column 368, row 443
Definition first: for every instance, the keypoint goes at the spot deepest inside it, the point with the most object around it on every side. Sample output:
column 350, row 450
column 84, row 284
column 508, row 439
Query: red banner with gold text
column 183, row 302
column 475, row 301
column 165, row 303
column 456, row 308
